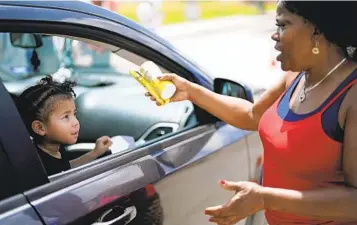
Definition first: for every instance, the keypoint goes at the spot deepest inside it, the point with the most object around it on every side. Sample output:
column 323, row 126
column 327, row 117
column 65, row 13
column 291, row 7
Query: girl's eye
column 66, row 117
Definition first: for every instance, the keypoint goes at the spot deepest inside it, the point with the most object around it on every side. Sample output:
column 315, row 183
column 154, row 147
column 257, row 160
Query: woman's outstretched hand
column 182, row 87
column 247, row 200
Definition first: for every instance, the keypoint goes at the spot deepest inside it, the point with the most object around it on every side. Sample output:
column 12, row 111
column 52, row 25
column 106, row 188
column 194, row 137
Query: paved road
column 239, row 48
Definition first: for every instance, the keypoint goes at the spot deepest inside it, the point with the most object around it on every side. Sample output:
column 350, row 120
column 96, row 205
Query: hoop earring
column 316, row 50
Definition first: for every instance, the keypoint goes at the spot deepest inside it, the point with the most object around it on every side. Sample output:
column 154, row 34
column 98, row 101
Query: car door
column 100, row 197
column 175, row 176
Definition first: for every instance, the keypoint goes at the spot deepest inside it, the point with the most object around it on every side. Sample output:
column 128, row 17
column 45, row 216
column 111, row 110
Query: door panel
column 187, row 190
column 16, row 210
column 87, row 201
column 255, row 152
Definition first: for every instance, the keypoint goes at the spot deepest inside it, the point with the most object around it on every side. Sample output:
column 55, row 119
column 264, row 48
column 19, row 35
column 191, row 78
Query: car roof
column 90, row 9
column 81, row 6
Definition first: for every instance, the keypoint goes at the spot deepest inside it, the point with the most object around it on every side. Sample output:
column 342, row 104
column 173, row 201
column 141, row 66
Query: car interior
column 109, row 101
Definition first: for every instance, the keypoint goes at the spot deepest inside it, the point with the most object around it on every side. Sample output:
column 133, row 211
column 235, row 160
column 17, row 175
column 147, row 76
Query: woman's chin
column 284, row 67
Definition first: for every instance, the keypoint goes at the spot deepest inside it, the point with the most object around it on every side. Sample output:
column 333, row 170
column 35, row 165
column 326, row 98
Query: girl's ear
column 38, row 127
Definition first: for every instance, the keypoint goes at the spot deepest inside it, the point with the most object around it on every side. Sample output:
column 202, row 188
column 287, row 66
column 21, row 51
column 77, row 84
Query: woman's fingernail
column 222, row 182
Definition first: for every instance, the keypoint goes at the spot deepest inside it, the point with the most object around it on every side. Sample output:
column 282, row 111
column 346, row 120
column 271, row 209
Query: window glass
column 109, row 102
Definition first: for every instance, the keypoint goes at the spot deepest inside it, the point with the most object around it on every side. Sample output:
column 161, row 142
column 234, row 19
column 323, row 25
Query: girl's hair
column 37, row 102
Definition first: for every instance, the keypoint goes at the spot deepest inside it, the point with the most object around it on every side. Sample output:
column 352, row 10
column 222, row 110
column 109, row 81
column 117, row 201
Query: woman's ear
column 38, row 127
column 316, row 31
column 316, row 36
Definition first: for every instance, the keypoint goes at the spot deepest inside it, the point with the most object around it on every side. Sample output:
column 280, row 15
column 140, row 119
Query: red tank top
column 298, row 154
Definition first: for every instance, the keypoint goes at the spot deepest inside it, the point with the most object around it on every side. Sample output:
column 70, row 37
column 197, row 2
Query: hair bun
column 48, row 80
column 67, row 86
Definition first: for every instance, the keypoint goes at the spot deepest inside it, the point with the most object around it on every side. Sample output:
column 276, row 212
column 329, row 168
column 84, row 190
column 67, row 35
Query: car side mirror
column 231, row 88
column 224, row 87
column 26, row 40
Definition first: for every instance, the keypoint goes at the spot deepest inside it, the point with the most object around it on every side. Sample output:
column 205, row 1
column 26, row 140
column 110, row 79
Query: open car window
column 109, row 101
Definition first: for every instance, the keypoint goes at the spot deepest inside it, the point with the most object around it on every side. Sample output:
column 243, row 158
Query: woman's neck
column 324, row 66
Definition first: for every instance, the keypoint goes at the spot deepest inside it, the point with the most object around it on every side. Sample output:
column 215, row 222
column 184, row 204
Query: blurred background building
column 230, row 38
column 154, row 13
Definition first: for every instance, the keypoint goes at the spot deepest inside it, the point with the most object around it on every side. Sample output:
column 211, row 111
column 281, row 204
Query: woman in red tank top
column 307, row 122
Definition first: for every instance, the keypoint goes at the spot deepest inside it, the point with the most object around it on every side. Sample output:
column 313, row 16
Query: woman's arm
column 337, row 203
column 238, row 112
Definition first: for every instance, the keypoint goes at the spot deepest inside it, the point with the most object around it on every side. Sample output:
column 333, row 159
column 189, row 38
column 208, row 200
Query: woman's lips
column 278, row 57
column 277, row 48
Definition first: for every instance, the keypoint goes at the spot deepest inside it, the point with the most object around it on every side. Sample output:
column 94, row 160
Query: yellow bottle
column 147, row 76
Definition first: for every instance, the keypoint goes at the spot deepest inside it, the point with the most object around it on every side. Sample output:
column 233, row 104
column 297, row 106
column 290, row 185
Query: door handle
column 128, row 215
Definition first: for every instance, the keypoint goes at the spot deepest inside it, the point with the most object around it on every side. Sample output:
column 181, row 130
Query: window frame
column 101, row 165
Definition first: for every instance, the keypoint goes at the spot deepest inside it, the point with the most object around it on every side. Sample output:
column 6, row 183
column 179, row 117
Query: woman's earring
column 316, row 50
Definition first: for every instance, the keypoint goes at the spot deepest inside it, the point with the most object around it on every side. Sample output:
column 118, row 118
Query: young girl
column 49, row 113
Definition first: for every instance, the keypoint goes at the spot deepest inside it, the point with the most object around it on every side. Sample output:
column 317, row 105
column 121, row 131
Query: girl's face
column 61, row 125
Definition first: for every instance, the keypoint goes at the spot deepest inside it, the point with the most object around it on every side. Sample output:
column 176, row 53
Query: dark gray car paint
column 16, row 211
column 78, row 200
column 56, row 194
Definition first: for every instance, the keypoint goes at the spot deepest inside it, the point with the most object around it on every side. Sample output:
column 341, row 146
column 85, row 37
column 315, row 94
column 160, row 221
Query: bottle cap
column 151, row 70
column 168, row 91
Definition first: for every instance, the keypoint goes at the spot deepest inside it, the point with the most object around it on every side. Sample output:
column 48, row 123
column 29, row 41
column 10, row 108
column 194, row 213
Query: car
column 166, row 161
